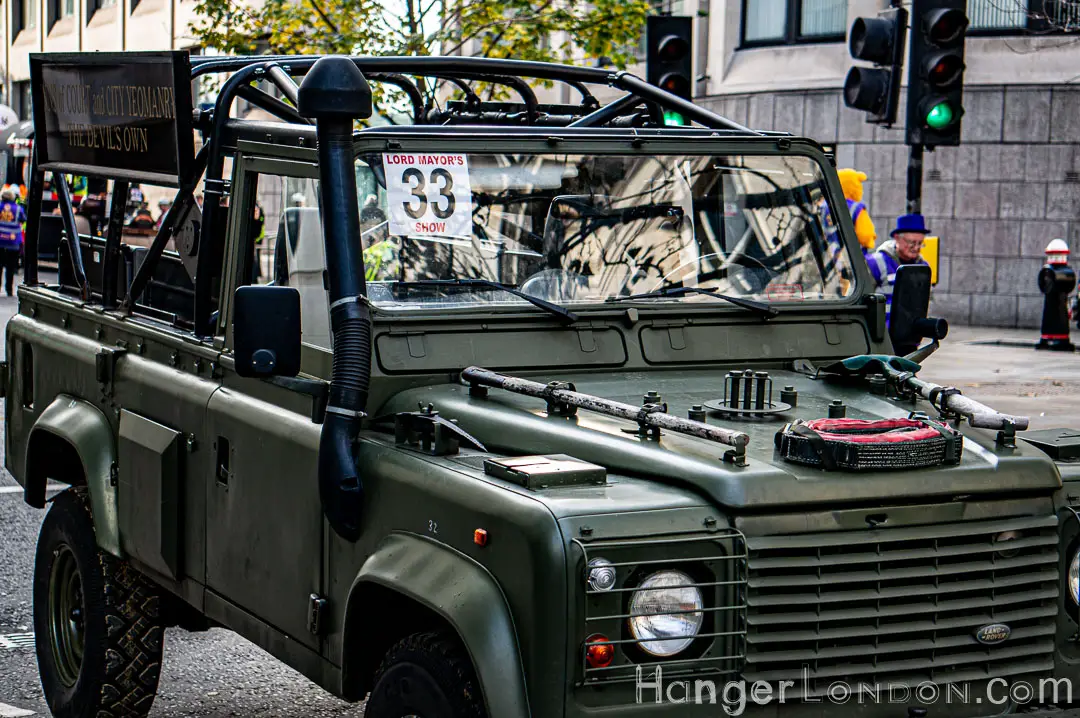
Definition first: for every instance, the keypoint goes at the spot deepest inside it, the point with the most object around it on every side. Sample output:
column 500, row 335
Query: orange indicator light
column 598, row 652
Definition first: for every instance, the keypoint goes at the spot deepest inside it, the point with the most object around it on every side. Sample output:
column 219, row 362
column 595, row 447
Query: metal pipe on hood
column 652, row 417
column 334, row 92
column 949, row 399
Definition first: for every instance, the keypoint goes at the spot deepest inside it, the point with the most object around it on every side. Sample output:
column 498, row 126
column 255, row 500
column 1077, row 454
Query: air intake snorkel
column 334, row 92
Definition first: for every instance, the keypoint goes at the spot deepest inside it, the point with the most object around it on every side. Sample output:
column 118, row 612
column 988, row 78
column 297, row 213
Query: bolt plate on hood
column 545, row 472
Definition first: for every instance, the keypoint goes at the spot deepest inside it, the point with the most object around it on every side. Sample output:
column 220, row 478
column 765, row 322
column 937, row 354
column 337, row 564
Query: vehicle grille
column 901, row 606
column 716, row 563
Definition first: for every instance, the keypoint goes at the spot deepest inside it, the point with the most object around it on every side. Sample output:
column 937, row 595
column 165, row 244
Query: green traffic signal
column 940, row 116
column 673, row 119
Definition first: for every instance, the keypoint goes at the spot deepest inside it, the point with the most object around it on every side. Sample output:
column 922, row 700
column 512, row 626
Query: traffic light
column 669, row 60
column 936, row 75
column 879, row 40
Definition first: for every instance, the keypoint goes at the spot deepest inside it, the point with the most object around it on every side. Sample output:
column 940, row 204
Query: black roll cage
column 641, row 106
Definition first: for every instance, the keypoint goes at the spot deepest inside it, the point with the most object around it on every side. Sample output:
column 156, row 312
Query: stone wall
column 995, row 201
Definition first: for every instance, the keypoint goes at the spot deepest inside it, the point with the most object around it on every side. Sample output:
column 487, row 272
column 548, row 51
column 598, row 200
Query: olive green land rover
column 516, row 409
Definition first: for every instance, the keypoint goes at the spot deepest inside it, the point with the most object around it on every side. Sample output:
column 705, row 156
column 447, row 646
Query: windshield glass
column 577, row 229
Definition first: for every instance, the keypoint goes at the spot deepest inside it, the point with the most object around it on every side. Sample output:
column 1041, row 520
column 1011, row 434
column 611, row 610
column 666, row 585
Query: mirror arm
column 919, row 355
column 317, row 389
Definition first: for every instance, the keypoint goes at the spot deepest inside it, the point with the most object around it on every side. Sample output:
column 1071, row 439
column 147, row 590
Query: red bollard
column 1056, row 281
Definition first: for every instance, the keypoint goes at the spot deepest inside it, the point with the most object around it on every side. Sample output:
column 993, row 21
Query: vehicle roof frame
column 282, row 71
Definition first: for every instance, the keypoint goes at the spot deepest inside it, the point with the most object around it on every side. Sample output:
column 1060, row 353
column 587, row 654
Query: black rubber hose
column 341, row 488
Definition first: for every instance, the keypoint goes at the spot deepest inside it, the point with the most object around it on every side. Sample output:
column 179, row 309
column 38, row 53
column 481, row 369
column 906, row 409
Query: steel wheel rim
column 66, row 615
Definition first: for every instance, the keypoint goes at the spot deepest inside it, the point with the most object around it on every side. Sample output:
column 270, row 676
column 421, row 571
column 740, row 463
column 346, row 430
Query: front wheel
column 426, row 675
column 96, row 621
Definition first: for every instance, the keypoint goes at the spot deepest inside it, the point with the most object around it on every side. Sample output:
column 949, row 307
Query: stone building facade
column 996, row 201
column 30, row 26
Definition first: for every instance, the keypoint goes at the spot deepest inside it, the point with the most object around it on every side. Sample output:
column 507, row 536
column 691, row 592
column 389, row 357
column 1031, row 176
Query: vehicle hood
column 516, row 425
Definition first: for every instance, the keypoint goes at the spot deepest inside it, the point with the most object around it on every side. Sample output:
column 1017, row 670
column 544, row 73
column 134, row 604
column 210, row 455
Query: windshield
column 579, row 229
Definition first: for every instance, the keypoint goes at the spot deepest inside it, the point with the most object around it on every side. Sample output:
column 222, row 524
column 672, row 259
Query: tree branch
column 501, row 22
column 325, row 18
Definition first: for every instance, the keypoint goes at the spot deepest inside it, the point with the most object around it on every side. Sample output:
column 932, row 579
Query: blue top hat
column 910, row 223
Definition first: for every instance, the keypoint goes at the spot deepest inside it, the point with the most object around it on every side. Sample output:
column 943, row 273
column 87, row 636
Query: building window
column 992, row 15
column 60, row 9
column 92, row 6
column 1005, row 17
column 20, row 98
column 779, row 22
column 18, row 17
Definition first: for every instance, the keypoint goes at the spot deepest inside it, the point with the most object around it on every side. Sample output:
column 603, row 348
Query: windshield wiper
column 760, row 307
column 561, row 312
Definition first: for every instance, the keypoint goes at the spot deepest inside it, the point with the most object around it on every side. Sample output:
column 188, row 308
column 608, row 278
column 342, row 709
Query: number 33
column 417, row 186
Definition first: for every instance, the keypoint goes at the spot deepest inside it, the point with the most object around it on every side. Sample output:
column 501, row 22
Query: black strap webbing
column 950, row 436
column 817, row 443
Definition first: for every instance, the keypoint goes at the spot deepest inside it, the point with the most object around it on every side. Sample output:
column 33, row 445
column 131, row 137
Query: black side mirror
column 266, row 331
column 908, row 323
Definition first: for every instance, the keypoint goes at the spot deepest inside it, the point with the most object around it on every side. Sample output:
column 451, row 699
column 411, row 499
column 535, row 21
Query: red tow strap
column 881, row 431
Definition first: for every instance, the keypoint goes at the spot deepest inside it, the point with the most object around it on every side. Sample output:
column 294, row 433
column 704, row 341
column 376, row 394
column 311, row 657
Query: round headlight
column 666, row 613
column 1074, row 578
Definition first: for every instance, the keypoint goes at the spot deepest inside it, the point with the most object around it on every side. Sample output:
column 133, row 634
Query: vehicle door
column 264, row 519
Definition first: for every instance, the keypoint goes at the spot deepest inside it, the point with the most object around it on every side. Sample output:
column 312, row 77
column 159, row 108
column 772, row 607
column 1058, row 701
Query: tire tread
column 135, row 640
column 125, row 664
column 441, row 654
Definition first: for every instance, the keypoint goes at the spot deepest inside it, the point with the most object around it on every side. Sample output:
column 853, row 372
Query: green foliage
column 544, row 30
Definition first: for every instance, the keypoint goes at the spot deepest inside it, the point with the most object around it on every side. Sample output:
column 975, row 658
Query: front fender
column 83, row 427
column 467, row 597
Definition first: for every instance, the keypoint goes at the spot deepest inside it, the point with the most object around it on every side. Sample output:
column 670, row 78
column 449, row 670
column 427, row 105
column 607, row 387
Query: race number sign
column 428, row 194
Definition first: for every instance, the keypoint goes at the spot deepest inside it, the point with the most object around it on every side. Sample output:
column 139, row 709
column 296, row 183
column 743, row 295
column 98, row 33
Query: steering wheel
column 728, row 263
column 556, row 285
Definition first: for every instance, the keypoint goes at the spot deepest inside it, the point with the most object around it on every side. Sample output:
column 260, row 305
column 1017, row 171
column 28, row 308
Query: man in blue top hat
column 904, row 248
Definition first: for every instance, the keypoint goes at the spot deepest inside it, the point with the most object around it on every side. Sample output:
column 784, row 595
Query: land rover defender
column 520, row 409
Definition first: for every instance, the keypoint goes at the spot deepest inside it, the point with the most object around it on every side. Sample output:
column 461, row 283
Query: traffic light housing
column 878, row 40
column 936, row 73
column 669, row 59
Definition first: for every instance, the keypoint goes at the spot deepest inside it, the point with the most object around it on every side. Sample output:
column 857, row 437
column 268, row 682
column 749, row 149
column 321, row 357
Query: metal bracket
column 646, row 430
column 317, row 389
column 736, row 456
column 1006, row 438
column 105, row 365
column 431, row 432
column 556, row 407
column 938, row 399
column 217, row 186
column 897, row 389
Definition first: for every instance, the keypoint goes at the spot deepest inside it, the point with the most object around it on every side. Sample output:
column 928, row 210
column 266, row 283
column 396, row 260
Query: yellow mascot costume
column 852, row 182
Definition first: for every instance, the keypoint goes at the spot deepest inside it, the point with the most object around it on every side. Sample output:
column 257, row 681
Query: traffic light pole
column 914, row 179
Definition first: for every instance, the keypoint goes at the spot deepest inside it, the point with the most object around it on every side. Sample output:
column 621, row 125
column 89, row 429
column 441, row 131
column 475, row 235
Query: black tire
column 121, row 630
column 427, row 675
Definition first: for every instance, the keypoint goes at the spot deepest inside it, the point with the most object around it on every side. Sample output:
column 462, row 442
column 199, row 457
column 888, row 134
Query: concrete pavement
column 1042, row 385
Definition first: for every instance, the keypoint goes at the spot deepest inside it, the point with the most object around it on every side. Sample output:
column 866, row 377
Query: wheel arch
column 412, row 581
column 72, row 442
